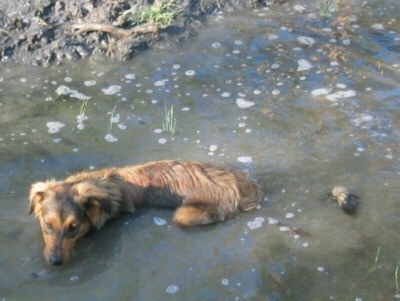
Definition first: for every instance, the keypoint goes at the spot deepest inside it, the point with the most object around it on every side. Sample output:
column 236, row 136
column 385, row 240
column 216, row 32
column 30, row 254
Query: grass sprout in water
column 396, row 278
column 82, row 115
column 378, row 251
column 110, row 125
column 169, row 124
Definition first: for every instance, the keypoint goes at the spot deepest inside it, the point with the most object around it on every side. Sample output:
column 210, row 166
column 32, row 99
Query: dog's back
column 194, row 187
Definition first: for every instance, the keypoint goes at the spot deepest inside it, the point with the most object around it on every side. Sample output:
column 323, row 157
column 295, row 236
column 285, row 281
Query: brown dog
column 202, row 193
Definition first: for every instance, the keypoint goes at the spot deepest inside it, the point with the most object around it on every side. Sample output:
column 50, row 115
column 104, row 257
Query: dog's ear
column 98, row 201
column 36, row 195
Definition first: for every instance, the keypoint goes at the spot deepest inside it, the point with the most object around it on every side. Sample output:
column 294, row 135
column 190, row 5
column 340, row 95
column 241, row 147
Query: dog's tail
column 250, row 193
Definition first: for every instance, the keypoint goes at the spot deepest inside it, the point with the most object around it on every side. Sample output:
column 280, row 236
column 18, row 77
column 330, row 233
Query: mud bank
column 47, row 32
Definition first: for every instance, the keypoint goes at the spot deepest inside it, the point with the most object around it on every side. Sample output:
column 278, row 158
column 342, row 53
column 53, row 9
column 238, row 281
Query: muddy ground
column 43, row 32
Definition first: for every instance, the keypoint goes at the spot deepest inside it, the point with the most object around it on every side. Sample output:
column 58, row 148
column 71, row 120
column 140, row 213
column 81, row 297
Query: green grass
column 83, row 108
column 110, row 125
column 160, row 13
column 169, row 124
column 328, row 7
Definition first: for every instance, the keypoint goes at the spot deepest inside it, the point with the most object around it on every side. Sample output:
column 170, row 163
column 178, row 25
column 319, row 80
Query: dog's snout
column 55, row 260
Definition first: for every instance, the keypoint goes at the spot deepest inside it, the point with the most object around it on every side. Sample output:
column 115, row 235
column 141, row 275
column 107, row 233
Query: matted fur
column 202, row 193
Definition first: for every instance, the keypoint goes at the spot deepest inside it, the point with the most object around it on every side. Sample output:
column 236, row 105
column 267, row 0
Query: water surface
column 300, row 97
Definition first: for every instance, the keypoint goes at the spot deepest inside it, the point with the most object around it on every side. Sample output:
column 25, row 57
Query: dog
column 201, row 193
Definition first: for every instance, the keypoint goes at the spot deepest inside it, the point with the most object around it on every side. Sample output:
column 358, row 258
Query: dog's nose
column 55, row 260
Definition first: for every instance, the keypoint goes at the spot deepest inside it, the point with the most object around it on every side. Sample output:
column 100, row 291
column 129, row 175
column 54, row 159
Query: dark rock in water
column 348, row 202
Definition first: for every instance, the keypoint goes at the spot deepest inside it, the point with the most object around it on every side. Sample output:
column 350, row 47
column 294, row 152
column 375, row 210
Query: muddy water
column 300, row 100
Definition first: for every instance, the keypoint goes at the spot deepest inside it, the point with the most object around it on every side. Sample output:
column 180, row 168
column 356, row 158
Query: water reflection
column 302, row 101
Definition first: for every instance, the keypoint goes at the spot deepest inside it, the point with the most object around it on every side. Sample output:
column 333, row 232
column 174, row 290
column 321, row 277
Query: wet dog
column 202, row 193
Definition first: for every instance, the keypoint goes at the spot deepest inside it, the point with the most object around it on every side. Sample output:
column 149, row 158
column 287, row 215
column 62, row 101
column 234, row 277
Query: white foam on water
column 54, row 126
column 306, row 40
column 159, row 221
column 110, row 138
column 245, row 159
column 244, row 104
column 340, row 94
column 257, row 223
column 172, row 289
column 111, row 90
column 304, row 65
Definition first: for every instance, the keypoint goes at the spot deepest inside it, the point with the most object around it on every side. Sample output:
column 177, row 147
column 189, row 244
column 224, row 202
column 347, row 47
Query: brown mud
column 44, row 32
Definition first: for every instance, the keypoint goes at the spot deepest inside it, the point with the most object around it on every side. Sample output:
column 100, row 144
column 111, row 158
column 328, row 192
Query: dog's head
column 66, row 212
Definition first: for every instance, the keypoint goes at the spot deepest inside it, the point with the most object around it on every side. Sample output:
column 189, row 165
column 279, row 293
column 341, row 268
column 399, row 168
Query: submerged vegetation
column 169, row 124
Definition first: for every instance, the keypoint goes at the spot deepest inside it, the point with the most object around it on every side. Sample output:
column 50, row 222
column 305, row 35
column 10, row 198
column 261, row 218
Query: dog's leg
column 195, row 215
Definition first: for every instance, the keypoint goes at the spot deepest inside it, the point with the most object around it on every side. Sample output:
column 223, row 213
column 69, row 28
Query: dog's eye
column 48, row 226
column 72, row 228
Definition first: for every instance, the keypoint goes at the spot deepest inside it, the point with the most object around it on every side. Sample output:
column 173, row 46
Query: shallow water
column 301, row 101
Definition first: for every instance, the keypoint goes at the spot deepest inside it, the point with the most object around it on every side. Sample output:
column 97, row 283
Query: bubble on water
column 238, row 42
column 176, row 66
column 284, row 228
column 74, row 278
column 159, row 83
column 378, row 26
column 64, row 90
column 190, row 72
column 157, row 131
column 340, row 94
column 244, row 104
column 172, row 289
column 305, row 244
column 89, row 83
column 213, row 148
column 363, row 119
column 276, row 92
column 272, row 37
column 320, row 269
column 110, row 138
column 299, row 8
column 111, row 90
column 216, row 45
column 57, row 140
column 225, row 282
column 130, row 76
column 257, row 92
column 245, row 159
column 121, row 126
column 185, row 109
column 54, row 126
column 68, row 79
column 346, row 42
column 162, row 140
column 320, row 91
column 159, row 221
column 289, row 215
column 257, row 223
column 304, row 65
column 242, row 125
column 306, row 40
column 225, row 94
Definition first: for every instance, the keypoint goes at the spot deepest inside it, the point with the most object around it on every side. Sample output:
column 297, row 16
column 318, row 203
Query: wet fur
column 202, row 193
